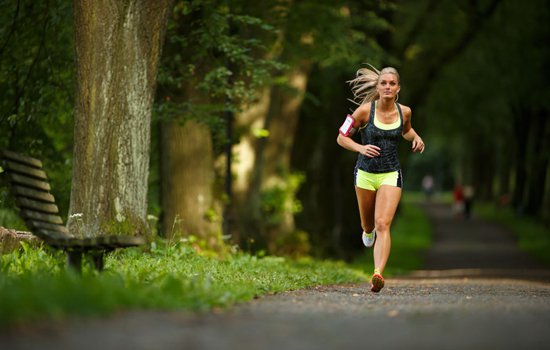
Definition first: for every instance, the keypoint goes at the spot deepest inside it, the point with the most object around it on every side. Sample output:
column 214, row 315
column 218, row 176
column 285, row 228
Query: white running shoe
column 369, row 238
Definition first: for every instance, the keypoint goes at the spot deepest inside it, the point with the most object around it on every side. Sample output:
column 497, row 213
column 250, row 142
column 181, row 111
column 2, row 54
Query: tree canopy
column 267, row 81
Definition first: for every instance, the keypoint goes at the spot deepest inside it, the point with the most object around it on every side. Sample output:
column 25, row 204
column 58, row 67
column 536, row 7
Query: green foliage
column 36, row 77
column 294, row 244
column 210, row 53
column 8, row 216
column 348, row 40
column 10, row 219
column 37, row 84
column 35, row 285
column 280, row 199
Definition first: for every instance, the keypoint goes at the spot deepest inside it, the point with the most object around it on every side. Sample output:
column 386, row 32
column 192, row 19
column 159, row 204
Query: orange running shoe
column 377, row 283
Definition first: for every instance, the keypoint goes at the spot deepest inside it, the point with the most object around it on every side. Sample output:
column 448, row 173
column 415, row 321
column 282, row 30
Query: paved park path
column 477, row 292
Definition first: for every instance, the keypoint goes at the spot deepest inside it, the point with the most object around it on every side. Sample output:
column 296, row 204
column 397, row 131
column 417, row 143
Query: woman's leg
column 366, row 200
column 387, row 199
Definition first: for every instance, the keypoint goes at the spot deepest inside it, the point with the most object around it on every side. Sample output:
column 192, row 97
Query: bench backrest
column 31, row 190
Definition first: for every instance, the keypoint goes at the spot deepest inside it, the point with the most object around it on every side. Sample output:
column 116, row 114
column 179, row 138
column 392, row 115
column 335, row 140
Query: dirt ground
column 477, row 291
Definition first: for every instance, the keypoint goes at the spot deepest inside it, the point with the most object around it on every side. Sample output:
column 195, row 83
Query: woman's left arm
column 408, row 132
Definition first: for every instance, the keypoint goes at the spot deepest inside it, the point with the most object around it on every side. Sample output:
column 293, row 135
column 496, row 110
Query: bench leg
column 74, row 260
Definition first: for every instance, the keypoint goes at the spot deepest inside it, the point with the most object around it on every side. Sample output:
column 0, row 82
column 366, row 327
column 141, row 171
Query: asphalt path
column 477, row 291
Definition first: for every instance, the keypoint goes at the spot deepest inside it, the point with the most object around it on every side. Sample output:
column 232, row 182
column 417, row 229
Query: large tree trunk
column 188, row 182
column 118, row 45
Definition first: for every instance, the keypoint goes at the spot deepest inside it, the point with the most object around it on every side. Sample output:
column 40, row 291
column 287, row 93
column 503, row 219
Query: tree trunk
column 504, row 168
column 118, row 46
column 187, row 182
column 282, row 126
column 522, row 117
column 545, row 210
column 251, row 121
column 482, row 175
column 538, row 160
column 272, row 158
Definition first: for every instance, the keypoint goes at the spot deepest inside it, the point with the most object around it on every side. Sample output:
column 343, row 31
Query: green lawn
column 34, row 284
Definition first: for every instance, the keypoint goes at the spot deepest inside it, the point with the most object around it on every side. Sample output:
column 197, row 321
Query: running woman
column 381, row 122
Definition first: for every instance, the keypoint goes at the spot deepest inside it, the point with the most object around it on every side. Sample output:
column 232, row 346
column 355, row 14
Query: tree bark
column 252, row 121
column 504, row 167
column 545, row 210
column 272, row 157
column 522, row 116
column 118, row 46
column 188, row 182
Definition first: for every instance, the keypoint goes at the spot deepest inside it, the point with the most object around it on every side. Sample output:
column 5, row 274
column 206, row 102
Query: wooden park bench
column 31, row 190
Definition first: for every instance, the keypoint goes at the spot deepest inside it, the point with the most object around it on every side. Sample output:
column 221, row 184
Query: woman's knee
column 382, row 224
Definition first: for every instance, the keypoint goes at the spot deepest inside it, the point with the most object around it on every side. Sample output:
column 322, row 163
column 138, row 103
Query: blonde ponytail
column 364, row 84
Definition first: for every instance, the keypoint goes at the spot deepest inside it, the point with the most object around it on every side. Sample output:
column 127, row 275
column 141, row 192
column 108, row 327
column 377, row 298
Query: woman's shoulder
column 405, row 108
column 361, row 113
column 364, row 108
column 407, row 111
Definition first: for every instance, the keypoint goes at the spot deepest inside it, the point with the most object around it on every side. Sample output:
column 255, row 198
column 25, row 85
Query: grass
column 533, row 236
column 411, row 234
column 35, row 285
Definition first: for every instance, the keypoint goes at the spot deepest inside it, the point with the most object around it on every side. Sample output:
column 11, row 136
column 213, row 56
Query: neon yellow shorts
column 373, row 181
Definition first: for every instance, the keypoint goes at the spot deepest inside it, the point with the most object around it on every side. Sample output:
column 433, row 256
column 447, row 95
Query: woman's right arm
column 348, row 143
column 361, row 117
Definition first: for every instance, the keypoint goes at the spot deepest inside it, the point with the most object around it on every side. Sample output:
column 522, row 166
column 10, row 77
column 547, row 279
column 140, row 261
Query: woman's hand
column 418, row 144
column 370, row 151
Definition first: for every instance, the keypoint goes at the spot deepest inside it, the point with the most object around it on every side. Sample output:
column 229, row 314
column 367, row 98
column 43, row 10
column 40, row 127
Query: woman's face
column 388, row 86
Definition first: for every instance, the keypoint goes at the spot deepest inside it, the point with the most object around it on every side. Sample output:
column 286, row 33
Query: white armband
column 347, row 128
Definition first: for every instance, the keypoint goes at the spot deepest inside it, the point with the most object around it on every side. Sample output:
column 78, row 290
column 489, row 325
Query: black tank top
column 387, row 140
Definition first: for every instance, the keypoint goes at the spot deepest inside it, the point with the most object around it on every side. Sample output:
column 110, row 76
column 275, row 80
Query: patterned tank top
column 387, row 140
